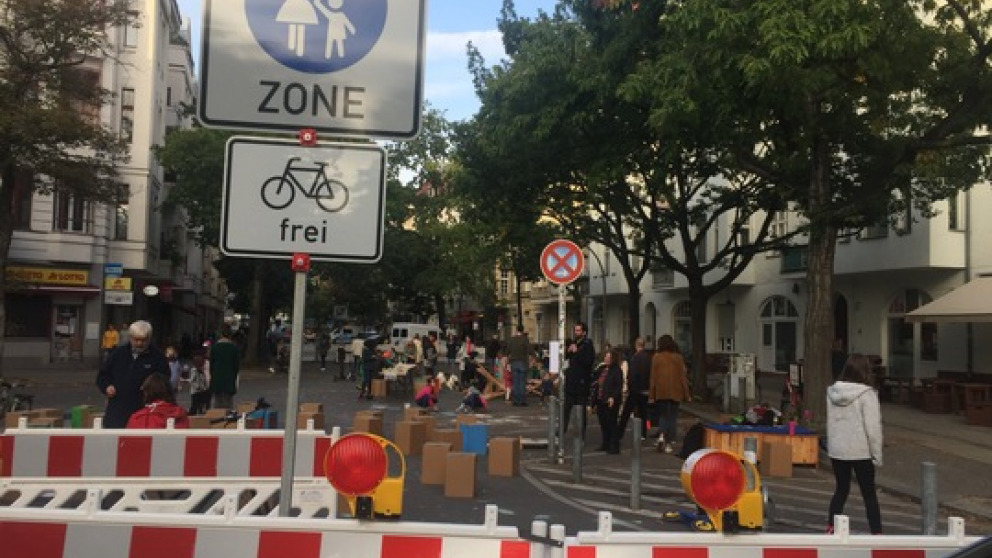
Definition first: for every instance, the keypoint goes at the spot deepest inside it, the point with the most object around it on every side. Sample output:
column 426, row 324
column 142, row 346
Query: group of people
column 649, row 386
column 140, row 381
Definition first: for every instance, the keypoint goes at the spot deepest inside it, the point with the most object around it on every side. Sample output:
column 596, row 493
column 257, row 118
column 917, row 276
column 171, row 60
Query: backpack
column 197, row 380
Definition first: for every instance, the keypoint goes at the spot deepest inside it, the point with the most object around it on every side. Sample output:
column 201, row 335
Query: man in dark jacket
column 638, row 379
column 579, row 375
column 125, row 370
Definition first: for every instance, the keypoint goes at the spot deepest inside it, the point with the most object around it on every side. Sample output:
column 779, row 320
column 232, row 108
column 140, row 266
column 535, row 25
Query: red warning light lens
column 356, row 464
column 717, row 481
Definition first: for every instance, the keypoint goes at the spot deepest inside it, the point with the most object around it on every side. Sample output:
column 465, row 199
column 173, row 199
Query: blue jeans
column 519, row 371
column 668, row 421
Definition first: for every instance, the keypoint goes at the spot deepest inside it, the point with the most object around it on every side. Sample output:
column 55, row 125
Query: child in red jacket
column 160, row 406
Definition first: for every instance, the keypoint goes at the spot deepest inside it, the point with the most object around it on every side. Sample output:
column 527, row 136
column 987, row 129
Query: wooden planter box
column 805, row 443
column 978, row 415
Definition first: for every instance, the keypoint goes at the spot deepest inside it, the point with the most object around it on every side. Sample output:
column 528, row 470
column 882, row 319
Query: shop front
column 52, row 314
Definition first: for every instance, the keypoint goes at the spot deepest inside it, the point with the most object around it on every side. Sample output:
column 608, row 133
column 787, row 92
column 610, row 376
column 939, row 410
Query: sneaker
column 669, row 448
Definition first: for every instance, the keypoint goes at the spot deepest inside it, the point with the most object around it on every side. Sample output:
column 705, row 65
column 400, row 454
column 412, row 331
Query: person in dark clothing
column 371, row 368
column 608, row 390
column 838, row 358
column 124, row 372
column 579, row 375
column 638, row 378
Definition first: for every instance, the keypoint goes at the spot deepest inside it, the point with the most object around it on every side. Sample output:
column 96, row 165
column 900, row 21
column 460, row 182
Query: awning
column 971, row 302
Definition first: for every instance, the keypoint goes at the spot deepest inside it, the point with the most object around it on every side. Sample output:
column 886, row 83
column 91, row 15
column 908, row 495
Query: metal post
column 578, row 413
column 561, row 373
column 751, row 449
column 552, row 428
column 292, row 395
column 742, row 394
column 928, row 497
column 635, row 464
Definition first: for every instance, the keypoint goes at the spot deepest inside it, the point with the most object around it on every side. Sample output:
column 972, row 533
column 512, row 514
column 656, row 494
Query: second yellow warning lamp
column 726, row 487
column 357, row 466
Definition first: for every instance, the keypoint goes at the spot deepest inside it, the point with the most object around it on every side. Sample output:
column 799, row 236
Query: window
column 83, row 85
column 794, row 258
column 879, row 230
column 127, row 114
column 504, row 282
column 168, row 96
column 662, row 276
column 131, row 30
column 70, row 212
column 121, row 214
column 744, row 234
column 780, row 225
column 21, row 204
column 28, row 316
column 955, row 212
column 702, row 254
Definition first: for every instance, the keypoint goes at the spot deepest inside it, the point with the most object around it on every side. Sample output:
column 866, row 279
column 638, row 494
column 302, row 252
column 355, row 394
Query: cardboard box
column 776, row 459
column 431, row 423
column 45, row 422
column 49, row 412
column 199, row 421
column 13, row 417
column 466, row 419
column 451, row 436
column 367, row 422
column 311, row 407
column 434, row 462
column 303, row 417
column 410, row 436
column 92, row 420
column 245, row 407
column 413, row 413
column 379, row 388
column 216, row 413
column 459, row 475
column 504, row 457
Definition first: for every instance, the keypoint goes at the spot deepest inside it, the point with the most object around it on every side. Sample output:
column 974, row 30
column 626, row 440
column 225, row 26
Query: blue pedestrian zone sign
column 316, row 36
column 341, row 67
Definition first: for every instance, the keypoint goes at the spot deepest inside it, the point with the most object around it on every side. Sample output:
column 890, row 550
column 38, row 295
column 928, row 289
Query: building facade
column 75, row 265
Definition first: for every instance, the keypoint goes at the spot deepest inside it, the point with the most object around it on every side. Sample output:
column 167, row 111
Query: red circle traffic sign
column 562, row 261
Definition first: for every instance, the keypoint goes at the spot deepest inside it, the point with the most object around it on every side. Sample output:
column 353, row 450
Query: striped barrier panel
column 71, row 534
column 172, row 453
column 842, row 544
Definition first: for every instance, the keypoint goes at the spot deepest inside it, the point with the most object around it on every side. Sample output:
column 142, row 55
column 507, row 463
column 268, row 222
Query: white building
column 66, row 252
column 880, row 275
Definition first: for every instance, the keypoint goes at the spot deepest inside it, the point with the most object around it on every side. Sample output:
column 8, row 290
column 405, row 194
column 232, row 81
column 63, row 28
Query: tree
column 853, row 109
column 51, row 136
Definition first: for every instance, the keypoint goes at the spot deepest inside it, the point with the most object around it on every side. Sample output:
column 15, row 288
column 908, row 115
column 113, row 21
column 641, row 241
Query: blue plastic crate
column 475, row 438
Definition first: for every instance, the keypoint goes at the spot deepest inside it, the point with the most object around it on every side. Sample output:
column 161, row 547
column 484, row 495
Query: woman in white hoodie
column 854, row 438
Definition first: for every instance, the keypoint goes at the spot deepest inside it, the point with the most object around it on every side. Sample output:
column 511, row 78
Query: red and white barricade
column 169, row 453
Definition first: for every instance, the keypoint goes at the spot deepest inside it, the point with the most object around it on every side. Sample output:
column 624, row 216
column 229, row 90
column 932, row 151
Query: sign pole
column 561, row 375
column 301, row 264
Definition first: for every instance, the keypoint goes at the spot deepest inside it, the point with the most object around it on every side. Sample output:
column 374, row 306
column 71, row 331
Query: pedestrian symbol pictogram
column 316, row 36
column 562, row 262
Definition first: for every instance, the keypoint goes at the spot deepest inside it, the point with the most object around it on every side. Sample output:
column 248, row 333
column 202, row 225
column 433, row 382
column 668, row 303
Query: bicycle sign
column 281, row 198
column 279, row 191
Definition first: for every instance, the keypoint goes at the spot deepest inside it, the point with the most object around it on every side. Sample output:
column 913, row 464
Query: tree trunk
column 819, row 328
column 698, row 301
column 6, row 235
column 633, row 315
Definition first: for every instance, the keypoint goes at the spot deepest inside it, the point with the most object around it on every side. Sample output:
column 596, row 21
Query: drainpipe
column 969, row 326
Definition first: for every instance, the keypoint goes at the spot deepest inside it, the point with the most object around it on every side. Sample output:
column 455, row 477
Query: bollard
column 539, row 529
column 557, row 533
column 635, row 464
column 578, row 414
column 552, row 428
column 751, row 449
column 928, row 499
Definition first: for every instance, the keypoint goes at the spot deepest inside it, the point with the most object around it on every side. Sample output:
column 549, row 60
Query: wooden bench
column 804, row 443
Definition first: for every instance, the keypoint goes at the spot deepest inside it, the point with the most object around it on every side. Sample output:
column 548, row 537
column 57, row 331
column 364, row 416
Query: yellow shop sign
column 48, row 276
column 117, row 284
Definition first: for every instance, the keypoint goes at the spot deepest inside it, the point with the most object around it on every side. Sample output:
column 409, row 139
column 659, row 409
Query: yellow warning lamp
column 357, row 466
column 716, row 480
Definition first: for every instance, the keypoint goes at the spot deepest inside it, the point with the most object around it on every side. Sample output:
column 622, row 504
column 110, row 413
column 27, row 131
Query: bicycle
column 11, row 402
column 280, row 191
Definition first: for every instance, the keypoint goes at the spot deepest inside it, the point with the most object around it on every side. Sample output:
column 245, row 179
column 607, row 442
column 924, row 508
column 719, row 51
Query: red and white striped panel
column 160, row 453
column 29, row 539
column 747, row 549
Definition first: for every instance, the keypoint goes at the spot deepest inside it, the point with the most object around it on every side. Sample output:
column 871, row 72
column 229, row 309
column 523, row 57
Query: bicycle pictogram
column 279, row 191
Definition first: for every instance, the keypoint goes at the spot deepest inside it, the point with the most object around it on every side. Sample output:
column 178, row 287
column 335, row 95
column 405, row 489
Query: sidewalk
column 961, row 454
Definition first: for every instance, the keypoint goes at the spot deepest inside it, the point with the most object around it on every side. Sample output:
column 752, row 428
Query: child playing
column 427, row 397
column 473, row 401
column 199, row 383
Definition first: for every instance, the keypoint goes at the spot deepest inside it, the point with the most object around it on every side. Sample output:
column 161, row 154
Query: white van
column 401, row 332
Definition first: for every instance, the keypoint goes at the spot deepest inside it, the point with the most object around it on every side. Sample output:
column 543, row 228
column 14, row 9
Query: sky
column 451, row 24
